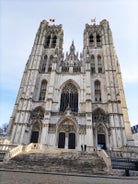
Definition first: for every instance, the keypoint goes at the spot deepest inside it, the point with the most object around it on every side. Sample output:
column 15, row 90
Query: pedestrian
column 85, row 147
column 81, row 147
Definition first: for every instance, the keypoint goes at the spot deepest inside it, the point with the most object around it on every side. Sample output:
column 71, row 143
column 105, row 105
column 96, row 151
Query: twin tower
column 69, row 101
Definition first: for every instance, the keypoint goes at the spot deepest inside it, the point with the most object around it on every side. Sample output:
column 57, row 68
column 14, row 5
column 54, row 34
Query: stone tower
column 66, row 102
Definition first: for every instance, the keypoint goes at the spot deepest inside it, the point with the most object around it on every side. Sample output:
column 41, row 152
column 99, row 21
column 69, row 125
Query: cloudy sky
column 20, row 19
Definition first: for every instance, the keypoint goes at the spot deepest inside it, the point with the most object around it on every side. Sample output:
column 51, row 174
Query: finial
column 72, row 47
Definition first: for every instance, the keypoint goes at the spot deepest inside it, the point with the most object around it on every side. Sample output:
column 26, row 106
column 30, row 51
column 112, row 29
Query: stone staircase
column 57, row 160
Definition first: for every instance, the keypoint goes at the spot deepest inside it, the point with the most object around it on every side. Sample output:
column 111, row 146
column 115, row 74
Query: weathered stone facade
column 70, row 101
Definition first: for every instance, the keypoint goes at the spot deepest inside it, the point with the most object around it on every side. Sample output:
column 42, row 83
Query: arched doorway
column 101, row 141
column 61, row 141
column 67, row 135
column 71, row 141
column 37, row 116
column 101, row 138
column 34, row 137
column 36, row 129
column 100, row 120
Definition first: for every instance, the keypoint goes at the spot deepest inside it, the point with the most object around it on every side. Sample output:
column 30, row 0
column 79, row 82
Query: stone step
column 58, row 161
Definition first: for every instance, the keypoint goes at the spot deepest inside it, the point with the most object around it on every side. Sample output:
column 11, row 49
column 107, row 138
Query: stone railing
column 12, row 153
column 101, row 153
column 7, row 147
column 32, row 146
column 130, row 149
column 123, row 154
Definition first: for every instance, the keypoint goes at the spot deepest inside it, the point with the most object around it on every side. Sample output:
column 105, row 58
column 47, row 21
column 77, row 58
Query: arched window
column 91, row 40
column 35, row 132
column 43, row 90
column 65, row 67
column 76, row 67
column 43, row 67
column 50, row 63
column 99, row 64
column 97, row 91
column 98, row 38
column 47, row 41
column 54, row 40
column 69, row 98
column 92, row 64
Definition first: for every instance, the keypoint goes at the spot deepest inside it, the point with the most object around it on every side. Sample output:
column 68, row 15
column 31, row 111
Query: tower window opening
column 54, row 40
column 97, row 91
column 47, row 42
column 92, row 64
column 43, row 90
column 98, row 38
column 43, row 67
column 92, row 69
column 50, row 64
column 91, row 39
column 99, row 64
column 99, row 70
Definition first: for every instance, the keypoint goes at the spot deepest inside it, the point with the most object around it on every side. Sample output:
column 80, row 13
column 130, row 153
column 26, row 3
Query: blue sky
column 20, row 19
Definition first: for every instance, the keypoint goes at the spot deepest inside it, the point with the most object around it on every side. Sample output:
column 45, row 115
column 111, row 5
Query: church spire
column 72, row 48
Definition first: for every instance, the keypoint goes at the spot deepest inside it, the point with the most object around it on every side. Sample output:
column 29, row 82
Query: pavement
column 21, row 177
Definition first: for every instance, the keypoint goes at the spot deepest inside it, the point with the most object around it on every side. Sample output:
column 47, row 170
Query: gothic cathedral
column 69, row 101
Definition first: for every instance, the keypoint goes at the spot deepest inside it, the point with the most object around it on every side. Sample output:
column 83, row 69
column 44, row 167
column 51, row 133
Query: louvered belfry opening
column 69, row 98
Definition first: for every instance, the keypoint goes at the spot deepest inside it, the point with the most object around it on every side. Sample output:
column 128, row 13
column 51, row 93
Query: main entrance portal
column 67, row 136
column 61, row 141
column 71, row 141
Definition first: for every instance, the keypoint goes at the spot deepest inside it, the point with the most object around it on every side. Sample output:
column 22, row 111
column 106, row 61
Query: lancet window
column 91, row 39
column 54, row 40
column 43, row 67
column 98, row 40
column 76, row 68
column 65, row 67
column 50, row 63
column 43, row 90
column 97, row 91
column 99, row 64
column 92, row 64
column 47, row 41
column 69, row 98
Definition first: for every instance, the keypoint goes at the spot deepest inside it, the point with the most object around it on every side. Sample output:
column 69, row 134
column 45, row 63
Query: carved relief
column 37, row 113
column 67, row 126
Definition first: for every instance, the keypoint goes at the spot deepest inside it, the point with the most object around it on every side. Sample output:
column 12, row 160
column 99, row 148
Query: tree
column 4, row 127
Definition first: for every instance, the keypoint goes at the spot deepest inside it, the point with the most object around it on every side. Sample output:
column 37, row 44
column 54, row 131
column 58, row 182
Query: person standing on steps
column 85, row 147
column 81, row 147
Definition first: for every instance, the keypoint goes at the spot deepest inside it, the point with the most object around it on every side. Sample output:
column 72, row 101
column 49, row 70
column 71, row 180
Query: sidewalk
column 10, row 177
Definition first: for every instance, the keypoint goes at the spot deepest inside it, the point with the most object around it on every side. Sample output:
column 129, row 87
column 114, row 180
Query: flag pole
column 93, row 20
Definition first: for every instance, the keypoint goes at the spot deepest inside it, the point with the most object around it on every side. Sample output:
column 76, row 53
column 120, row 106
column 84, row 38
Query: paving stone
column 34, row 178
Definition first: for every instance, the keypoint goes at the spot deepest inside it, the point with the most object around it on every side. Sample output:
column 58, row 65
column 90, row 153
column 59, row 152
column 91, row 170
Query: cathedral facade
column 69, row 101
